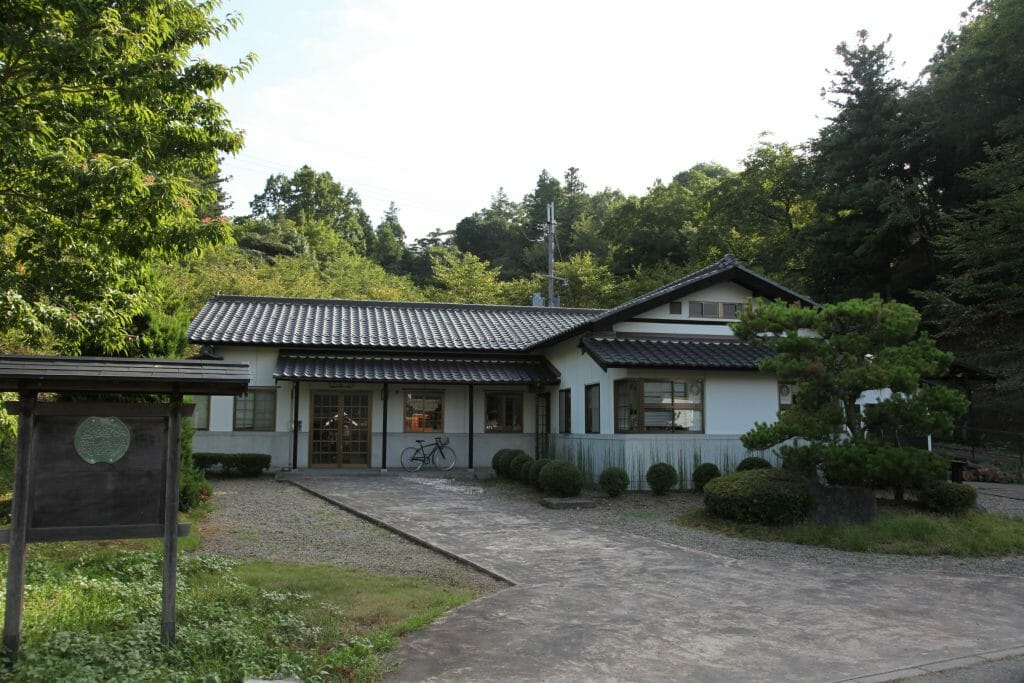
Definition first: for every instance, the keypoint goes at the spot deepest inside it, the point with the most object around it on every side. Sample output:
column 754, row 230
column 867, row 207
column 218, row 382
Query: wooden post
column 471, row 428
column 171, row 520
column 19, row 524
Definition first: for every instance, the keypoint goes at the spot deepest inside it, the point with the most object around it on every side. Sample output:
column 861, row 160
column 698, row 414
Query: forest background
column 114, row 228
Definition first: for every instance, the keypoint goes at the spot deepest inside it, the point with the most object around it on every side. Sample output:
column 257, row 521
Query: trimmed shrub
column 613, row 481
column 704, row 473
column 243, row 464
column 561, row 478
column 524, row 471
column 500, row 461
column 535, row 469
column 662, row 478
column 878, row 465
column 759, row 496
column 753, row 463
column 519, row 458
column 947, row 497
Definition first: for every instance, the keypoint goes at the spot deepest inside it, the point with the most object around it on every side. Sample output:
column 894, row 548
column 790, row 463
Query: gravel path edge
column 362, row 514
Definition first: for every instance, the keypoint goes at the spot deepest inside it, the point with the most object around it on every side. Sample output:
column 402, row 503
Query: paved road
column 590, row 604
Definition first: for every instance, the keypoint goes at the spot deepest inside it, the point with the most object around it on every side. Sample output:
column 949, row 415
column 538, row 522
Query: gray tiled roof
column 341, row 324
column 682, row 353
column 354, row 368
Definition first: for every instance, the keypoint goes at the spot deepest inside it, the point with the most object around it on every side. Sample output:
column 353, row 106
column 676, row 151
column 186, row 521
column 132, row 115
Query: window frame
column 261, row 427
column 792, row 387
column 631, row 418
column 409, row 412
column 592, row 408
column 565, row 411
column 719, row 310
column 502, row 426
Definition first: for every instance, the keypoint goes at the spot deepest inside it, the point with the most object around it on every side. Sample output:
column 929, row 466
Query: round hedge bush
column 759, row 496
column 662, row 478
column 523, row 475
column 499, row 462
column 753, row 463
column 704, row 473
column 947, row 497
column 519, row 458
column 562, row 479
column 613, row 481
column 535, row 469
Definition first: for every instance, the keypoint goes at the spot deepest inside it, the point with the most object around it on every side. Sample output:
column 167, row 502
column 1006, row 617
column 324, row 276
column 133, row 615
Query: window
column 592, row 408
column 254, row 410
column 201, row 414
column 504, row 412
column 424, row 411
column 643, row 405
column 787, row 392
column 565, row 411
column 675, row 307
column 715, row 309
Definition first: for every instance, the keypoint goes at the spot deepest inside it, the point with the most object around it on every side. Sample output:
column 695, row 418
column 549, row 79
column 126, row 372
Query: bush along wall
column 242, row 464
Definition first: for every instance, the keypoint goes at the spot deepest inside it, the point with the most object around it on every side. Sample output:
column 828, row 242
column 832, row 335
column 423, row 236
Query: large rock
column 842, row 504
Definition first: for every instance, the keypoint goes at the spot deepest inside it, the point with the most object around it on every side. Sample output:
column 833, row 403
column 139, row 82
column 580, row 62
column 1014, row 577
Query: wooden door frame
column 337, row 456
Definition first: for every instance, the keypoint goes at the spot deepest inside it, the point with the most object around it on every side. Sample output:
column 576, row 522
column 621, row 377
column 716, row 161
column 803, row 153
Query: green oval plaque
column 102, row 439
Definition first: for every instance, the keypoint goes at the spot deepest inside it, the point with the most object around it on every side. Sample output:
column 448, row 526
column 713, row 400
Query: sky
column 435, row 105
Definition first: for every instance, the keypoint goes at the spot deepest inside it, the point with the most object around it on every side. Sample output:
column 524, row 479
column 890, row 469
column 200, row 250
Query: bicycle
column 439, row 453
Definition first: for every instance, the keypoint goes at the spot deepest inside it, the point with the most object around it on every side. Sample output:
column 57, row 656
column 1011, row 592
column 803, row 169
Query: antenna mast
column 551, row 253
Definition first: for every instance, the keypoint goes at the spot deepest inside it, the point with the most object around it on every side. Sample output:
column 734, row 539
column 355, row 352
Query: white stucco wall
column 220, row 438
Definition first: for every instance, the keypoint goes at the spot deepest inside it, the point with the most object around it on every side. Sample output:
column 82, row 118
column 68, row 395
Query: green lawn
column 899, row 531
column 92, row 613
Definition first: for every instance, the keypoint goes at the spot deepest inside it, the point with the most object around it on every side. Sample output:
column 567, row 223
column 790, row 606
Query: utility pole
column 551, row 253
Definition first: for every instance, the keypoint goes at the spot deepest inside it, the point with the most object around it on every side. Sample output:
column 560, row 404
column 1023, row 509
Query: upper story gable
column 700, row 304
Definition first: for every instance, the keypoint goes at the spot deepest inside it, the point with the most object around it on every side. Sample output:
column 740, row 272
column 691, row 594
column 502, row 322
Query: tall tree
column 107, row 117
column 874, row 229
column 389, row 242
column 762, row 211
column 310, row 195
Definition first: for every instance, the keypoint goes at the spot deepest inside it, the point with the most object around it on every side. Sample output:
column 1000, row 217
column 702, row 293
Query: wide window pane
column 504, row 412
column 659, row 406
column 424, row 411
column 254, row 410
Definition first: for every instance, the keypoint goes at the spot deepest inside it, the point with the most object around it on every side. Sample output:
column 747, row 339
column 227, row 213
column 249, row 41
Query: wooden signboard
column 94, row 471
column 105, row 471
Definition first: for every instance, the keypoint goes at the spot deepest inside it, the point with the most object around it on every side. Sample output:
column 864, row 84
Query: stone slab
column 567, row 503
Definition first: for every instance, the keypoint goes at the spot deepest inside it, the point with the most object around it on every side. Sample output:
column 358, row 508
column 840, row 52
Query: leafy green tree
column 836, row 353
column 588, row 284
column 662, row 225
column 310, row 195
column 875, row 225
column 272, row 237
column 389, row 242
column 761, row 212
column 464, row 278
column 971, row 97
column 107, row 118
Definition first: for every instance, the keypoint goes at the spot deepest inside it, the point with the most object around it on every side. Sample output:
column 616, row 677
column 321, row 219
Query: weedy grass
column 92, row 613
column 896, row 531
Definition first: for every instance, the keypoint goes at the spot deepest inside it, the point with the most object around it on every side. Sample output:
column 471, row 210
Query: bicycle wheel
column 412, row 460
column 444, row 457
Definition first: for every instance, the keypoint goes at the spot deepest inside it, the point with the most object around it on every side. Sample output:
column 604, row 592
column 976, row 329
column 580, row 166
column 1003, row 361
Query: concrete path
column 590, row 604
